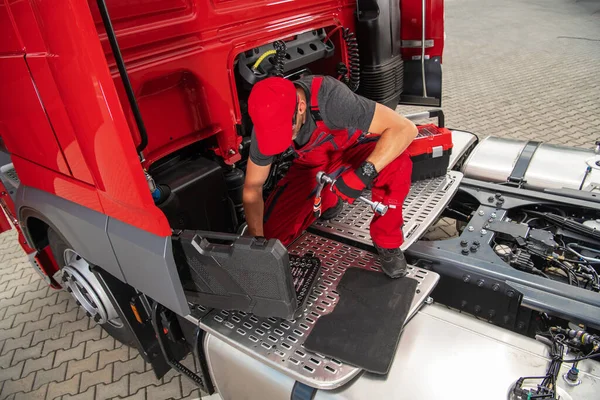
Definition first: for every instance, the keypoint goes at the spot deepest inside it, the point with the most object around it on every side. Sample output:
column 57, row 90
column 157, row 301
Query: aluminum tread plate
column 280, row 343
column 424, row 203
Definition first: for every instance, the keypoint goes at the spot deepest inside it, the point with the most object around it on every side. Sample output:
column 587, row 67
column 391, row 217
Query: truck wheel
column 79, row 280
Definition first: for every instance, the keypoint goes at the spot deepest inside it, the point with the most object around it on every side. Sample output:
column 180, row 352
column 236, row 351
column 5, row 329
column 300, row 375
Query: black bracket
column 517, row 176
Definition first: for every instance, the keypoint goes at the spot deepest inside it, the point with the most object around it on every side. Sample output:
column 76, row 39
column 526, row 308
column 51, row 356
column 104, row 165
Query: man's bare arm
column 396, row 132
column 256, row 176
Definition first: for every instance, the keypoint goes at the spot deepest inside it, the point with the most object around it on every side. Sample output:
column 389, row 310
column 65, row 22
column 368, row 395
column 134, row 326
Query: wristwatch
column 368, row 170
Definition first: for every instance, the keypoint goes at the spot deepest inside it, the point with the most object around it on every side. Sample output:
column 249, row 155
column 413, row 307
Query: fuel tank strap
column 518, row 173
column 303, row 392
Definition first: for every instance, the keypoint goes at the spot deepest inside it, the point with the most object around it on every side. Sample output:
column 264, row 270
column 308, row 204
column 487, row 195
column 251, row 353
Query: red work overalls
column 289, row 208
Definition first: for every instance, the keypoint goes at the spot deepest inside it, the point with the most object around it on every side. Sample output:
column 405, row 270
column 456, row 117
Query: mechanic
column 356, row 141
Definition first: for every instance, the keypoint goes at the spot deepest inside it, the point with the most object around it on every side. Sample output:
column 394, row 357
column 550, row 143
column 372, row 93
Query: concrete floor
column 514, row 68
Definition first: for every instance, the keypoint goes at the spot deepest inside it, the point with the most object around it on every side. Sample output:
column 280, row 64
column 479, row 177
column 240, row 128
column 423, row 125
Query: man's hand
column 256, row 176
column 350, row 185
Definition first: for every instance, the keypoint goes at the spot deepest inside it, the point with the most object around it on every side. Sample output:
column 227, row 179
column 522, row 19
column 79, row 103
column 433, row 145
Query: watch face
column 368, row 169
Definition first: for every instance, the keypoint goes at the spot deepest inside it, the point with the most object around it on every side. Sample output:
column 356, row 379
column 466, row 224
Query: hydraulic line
column 114, row 45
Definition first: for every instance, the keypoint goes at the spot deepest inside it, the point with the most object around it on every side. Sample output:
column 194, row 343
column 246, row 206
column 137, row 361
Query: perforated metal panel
column 9, row 173
column 280, row 343
column 424, row 203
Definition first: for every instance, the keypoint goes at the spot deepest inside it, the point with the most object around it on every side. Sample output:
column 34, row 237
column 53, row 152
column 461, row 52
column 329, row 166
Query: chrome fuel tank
column 550, row 167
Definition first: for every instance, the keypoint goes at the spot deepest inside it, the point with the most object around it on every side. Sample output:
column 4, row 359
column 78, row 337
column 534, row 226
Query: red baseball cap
column 272, row 106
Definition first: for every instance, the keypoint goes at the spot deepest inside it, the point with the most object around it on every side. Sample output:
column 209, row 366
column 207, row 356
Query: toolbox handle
column 428, row 114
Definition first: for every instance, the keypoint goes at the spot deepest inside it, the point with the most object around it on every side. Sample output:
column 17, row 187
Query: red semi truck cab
column 124, row 127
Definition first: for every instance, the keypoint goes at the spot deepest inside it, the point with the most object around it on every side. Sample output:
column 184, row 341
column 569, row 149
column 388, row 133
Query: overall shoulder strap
column 314, row 98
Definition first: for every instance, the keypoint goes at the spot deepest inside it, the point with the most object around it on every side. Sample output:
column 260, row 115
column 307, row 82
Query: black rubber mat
column 364, row 328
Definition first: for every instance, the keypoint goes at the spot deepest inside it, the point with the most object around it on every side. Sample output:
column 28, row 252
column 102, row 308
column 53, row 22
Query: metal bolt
column 493, row 215
column 473, row 249
column 491, row 199
column 481, row 212
column 498, row 195
column 466, row 278
column 465, row 252
column 477, row 309
column 501, row 200
column 97, row 317
column 510, row 293
column 471, row 229
column 476, row 243
column 483, row 232
column 491, row 220
column 480, row 282
column 492, row 313
column 495, row 287
column 521, row 325
column 231, row 151
column 429, row 300
column 463, row 304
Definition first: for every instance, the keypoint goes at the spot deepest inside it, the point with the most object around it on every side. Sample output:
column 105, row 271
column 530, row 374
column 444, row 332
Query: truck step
column 423, row 205
column 280, row 343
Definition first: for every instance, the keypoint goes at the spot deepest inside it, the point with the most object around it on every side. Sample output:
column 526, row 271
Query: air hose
column 349, row 74
column 353, row 59
column 280, row 51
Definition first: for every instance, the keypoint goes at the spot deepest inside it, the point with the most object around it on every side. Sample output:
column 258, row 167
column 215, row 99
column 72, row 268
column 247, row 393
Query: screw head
column 470, row 228
column 492, row 313
column 473, row 249
column 483, row 232
column 476, row 243
column 463, row 243
column 477, row 309
column 465, row 252
column 493, row 215
column 97, row 317
column 510, row 293
column 498, row 195
column 481, row 212
column 480, row 282
column 495, row 287
column 491, row 199
column 466, row 278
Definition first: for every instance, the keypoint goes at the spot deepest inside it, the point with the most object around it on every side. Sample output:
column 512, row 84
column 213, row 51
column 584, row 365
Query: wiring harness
column 558, row 339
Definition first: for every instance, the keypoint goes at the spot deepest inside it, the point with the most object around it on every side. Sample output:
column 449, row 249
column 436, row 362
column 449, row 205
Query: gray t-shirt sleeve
column 341, row 108
column 256, row 156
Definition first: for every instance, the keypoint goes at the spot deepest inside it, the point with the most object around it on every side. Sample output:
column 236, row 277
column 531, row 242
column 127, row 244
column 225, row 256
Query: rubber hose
column 353, row 59
column 280, row 52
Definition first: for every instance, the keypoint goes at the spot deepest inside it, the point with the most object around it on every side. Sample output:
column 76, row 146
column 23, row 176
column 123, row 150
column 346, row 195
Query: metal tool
column 323, row 179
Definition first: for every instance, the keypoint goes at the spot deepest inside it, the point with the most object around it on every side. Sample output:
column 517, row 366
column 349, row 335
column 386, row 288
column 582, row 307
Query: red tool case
column 431, row 149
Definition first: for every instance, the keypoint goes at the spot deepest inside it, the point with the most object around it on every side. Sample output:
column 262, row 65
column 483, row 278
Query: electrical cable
column 353, row 59
column 262, row 57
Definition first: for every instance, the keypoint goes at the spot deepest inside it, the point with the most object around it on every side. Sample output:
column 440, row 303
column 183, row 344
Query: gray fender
column 132, row 255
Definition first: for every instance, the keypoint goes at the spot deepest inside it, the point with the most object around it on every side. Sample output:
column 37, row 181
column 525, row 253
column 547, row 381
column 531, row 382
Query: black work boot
column 393, row 262
column 333, row 212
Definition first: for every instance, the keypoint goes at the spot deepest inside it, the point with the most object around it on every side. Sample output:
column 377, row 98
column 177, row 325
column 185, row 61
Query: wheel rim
column 80, row 281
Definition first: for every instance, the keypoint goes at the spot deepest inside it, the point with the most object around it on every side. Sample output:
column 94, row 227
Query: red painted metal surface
column 180, row 57
column 24, row 126
column 83, row 102
column 412, row 26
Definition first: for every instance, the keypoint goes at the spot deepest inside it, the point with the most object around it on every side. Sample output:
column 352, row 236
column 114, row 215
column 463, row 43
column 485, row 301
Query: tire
column 84, row 286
